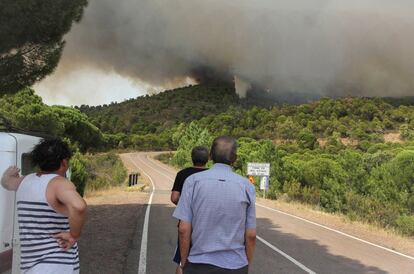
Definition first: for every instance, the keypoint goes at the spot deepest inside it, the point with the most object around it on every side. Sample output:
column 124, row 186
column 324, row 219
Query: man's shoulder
column 183, row 173
column 189, row 171
column 61, row 183
column 184, row 170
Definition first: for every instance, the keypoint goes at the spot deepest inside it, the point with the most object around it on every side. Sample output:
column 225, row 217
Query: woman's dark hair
column 48, row 154
column 199, row 156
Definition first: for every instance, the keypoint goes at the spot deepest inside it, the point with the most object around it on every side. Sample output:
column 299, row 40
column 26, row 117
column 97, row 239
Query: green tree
column 192, row 136
column 26, row 111
column 329, row 178
column 288, row 129
column 32, row 39
column 78, row 127
column 306, row 139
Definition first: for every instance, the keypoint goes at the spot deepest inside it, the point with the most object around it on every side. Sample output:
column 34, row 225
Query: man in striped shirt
column 51, row 213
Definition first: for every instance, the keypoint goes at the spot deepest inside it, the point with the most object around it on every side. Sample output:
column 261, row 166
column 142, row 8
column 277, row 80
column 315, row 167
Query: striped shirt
column 220, row 205
column 37, row 223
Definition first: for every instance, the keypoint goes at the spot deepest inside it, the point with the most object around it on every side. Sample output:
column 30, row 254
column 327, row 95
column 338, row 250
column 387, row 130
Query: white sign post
column 264, row 185
column 262, row 170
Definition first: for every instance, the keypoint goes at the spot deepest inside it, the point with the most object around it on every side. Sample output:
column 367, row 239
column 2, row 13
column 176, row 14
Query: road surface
column 286, row 243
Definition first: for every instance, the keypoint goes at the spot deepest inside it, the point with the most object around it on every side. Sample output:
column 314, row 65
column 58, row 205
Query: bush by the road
column 104, row 171
column 79, row 175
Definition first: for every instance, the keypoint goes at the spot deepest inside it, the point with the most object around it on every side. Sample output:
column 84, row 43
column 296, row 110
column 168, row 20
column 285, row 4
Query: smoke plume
column 324, row 47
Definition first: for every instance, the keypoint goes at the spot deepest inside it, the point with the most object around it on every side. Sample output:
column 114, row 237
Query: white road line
column 142, row 268
column 285, row 255
column 319, row 225
column 290, row 258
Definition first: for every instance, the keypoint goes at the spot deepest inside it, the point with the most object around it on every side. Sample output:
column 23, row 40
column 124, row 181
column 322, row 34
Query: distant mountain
column 153, row 113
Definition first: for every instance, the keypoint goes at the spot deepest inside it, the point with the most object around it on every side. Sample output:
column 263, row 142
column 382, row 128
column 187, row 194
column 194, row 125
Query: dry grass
column 116, row 196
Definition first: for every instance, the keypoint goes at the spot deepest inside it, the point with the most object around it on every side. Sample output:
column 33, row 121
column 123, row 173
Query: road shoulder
column 110, row 235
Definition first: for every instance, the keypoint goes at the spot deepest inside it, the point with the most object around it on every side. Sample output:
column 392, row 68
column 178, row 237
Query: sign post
column 264, row 185
column 263, row 171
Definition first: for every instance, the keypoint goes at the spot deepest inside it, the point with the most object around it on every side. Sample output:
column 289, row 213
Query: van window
column 27, row 165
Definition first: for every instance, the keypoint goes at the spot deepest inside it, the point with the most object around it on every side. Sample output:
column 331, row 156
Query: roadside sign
column 258, row 169
column 264, row 183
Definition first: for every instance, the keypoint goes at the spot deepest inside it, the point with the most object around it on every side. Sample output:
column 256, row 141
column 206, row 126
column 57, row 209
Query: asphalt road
column 286, row 243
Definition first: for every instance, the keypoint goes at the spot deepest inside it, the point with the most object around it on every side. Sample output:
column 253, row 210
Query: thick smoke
column 324, row 47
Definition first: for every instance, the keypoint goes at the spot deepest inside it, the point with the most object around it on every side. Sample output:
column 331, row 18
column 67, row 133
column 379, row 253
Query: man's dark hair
column 48, row 154
column 224, row 150
column 199, row 156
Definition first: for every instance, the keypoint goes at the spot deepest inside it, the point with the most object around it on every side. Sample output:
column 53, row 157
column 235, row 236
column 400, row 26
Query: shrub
column 306, row 139
column 328, row 177
column 105, row 171
column 406, row 132
column 119, row 173
column 292, row 189
column 273, row 192
column 79, row 175
column 405, row 224
column 311, row 195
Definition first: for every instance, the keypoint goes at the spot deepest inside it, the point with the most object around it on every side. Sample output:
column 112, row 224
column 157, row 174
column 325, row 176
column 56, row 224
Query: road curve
column 285, row 244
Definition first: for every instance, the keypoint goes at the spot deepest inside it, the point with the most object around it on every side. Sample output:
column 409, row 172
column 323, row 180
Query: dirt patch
column 349, row 142
column 393, row 137
column 110, row 230
column 345, row 141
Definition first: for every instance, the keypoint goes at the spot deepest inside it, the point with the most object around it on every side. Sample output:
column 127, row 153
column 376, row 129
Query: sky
column 106, row 87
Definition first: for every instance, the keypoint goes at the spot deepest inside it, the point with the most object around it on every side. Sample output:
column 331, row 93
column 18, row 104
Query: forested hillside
column 352, row 121
column 151, row 122
column 153, row 114
column 348, row 155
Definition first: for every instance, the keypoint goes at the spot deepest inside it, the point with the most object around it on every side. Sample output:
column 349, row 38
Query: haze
column 323, row 47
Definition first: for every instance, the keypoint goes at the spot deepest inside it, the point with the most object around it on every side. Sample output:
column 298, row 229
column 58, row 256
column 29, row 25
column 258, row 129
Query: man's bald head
column 224, row 150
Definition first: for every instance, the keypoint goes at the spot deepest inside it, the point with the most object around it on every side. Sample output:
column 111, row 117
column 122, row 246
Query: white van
column 14, row 150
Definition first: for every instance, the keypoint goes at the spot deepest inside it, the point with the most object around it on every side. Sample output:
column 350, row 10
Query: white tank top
column 38, row 221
